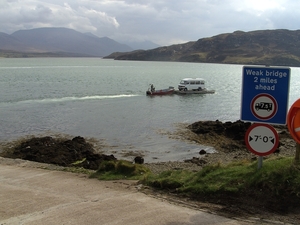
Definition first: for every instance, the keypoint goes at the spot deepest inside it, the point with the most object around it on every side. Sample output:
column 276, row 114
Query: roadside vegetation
column 121, row 169
column 279, row 177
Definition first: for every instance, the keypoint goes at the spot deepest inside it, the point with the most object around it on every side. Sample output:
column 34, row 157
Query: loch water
column 104, row 100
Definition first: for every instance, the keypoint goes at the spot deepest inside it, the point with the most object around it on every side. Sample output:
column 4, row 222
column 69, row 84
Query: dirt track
column 31, row 195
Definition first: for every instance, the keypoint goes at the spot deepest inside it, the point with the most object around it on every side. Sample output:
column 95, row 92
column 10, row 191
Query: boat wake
column 68, row 99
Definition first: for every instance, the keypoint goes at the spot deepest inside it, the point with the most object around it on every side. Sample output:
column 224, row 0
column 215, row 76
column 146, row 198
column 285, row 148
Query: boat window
column 192, row 82
column 198, row 82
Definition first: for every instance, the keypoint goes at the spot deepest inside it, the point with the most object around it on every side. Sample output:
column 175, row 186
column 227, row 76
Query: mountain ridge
column 279, row 47
column 262, row 47
column 59, row 40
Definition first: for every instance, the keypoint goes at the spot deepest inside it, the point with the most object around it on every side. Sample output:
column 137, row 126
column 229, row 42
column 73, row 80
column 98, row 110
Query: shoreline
column 226, row 138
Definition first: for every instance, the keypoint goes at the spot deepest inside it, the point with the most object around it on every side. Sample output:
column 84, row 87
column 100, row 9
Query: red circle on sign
column 293, row 121
column 254, row 151
column 253, row 107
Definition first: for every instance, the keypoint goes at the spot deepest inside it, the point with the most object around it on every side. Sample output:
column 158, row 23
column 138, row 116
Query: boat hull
column 195, row 92
column 161, row 92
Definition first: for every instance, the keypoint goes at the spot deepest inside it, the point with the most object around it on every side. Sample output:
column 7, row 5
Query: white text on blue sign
column 265, row 79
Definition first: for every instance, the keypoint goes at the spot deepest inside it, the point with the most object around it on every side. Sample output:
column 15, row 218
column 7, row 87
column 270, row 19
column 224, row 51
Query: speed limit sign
column 261, row 139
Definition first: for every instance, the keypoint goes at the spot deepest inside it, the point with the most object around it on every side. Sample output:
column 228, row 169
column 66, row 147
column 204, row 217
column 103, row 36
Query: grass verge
column 277, row 177
column 121, row 169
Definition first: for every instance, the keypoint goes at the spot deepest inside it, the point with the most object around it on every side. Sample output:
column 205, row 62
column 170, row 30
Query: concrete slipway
column 31, row 195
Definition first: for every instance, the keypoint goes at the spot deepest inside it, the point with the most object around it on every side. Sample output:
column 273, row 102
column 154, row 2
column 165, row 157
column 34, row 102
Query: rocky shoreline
column 226, row 138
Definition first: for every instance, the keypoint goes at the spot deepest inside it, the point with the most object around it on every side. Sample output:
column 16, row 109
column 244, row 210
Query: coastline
column 215, row 134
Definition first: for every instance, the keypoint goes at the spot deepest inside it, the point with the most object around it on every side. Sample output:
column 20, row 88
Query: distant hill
column 145, row 45
column 263, row 47
column 136, row 45
column 8, row 42
column 61, row 41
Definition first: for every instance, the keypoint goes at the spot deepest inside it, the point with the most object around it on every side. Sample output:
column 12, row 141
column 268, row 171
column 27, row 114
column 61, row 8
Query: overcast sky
column 164, row 22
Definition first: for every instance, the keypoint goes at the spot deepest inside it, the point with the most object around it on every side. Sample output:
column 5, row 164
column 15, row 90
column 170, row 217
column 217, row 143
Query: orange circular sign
column 293, row 121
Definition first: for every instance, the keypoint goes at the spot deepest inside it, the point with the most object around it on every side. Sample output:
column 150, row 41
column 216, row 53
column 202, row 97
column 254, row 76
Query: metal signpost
column 265, row 92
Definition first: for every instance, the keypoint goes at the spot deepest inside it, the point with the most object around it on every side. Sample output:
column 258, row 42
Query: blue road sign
column 265, row 94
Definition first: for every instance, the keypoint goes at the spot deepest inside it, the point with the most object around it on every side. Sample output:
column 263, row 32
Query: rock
column 59, row 152
column 139, row 160
column 202, row 152
column 79, row 139
column 235, row 130
column 197, row 161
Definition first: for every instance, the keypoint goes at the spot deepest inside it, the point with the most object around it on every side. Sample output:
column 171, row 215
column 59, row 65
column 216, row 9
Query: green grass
column 277, row 177
column 121, row 169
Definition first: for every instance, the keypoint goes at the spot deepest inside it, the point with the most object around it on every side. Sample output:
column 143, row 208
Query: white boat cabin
column 191, row 84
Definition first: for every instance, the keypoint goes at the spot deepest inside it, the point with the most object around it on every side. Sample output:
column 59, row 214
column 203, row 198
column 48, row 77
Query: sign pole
column 260, row 162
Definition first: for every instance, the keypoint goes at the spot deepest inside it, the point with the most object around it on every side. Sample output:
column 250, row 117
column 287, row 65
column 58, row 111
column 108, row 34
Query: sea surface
column 105, row 101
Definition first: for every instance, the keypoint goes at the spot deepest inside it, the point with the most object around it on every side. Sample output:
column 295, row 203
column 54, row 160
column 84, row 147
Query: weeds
column 112, row 170
column 279, row 176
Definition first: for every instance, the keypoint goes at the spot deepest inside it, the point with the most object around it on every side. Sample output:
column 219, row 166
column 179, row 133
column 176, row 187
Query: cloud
column 16, row 15
column 32, row 15
column 164, row 22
